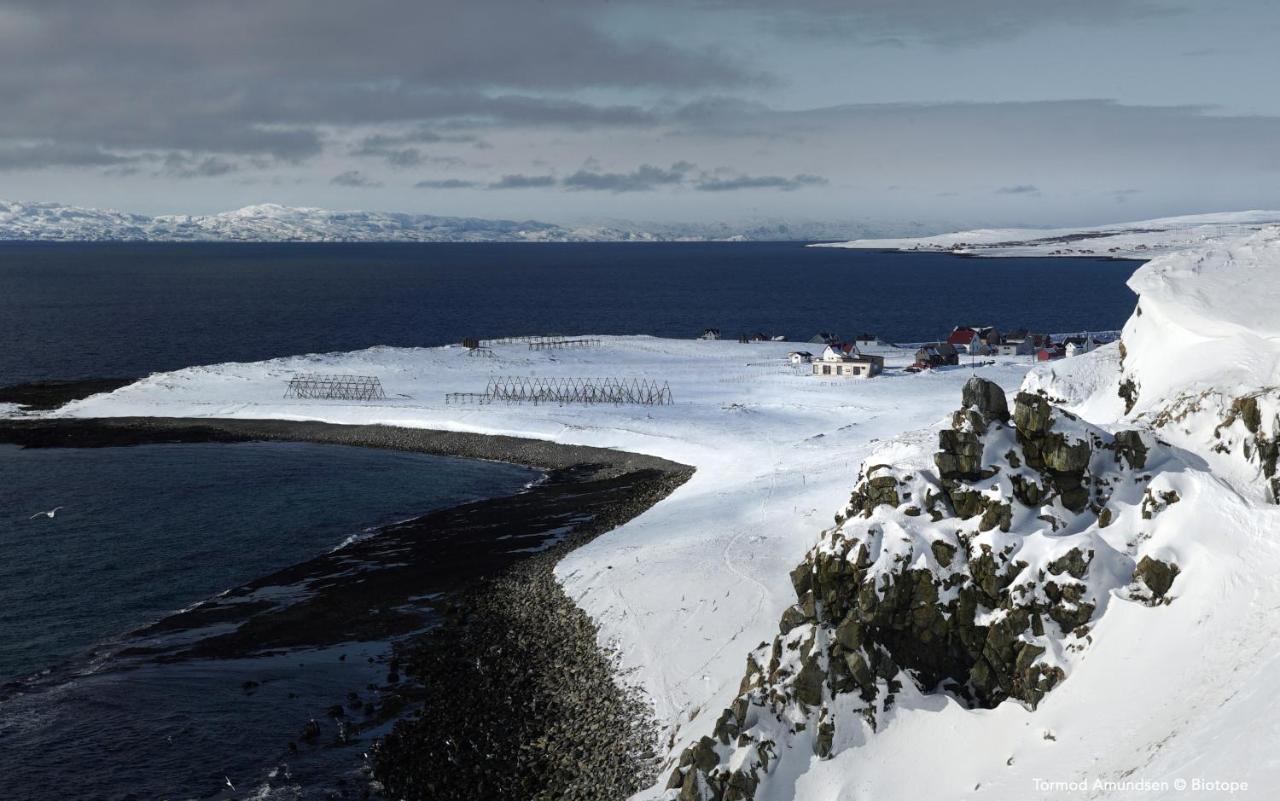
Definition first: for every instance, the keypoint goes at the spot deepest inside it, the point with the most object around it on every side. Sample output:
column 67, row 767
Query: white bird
column 229, row 784
column 49, row 514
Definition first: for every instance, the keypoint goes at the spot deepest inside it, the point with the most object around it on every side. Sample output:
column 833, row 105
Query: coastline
column 468, row 576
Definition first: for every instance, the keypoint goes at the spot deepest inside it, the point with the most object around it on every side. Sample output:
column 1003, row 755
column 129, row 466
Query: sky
column 945, row 113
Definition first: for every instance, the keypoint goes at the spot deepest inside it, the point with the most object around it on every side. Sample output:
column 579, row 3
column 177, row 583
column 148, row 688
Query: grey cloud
column 559, row 44
column 648, row 178
column 40, row 156
column 180, row 165
column 448, row 183
column 401, row 150
column 1001, row 140
column 353, row 178
column 1018, row 189
column 260, row 78
column 733, row 183
column 523, row 182
column 644, row 178
column 940, row 22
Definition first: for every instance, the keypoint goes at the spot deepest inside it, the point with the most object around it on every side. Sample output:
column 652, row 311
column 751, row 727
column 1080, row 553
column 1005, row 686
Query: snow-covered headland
column 1071, row 587
column 1134, row 240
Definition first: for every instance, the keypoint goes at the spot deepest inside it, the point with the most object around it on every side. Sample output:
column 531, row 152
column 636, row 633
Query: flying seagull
column 229, row 784
column 49, row 514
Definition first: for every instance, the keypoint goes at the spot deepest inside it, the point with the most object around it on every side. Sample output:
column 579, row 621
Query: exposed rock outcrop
column 974, row 578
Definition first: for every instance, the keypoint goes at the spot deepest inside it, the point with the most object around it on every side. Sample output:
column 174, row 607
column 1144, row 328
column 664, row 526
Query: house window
column 857, row 371
column 826, row 369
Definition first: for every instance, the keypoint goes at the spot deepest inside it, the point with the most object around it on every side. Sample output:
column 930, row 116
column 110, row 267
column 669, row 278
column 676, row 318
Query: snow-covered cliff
column 1073, row 599
column 1199, row 360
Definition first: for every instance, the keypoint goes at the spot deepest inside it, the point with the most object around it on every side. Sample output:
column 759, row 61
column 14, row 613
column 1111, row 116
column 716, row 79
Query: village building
column 835, row 361
column 799, row 357
column 865, row 340
column 1049, row 353
column 1032, row 339
column 1074, row 346
column 936, row 354
column 759, row 337
column 976, row 339
column 710, row 333
column 1020, row 347
column 824, row 338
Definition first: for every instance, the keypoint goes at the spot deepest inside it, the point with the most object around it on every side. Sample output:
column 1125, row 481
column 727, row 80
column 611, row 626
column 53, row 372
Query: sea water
column 77, row 310
column 144, row 531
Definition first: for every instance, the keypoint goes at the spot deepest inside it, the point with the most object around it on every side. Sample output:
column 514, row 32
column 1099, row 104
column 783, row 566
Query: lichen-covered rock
column 1153, row 579
column 950, row 601
column 1131, row 448
column 986, row 398
column 1128, row 393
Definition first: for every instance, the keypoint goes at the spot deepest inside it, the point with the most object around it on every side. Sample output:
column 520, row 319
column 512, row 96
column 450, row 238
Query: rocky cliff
column 976, row 571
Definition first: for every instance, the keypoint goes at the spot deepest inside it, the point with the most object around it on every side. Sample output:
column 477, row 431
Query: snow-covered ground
column 1141, row 240
column 687, row 588
column 1159, row 699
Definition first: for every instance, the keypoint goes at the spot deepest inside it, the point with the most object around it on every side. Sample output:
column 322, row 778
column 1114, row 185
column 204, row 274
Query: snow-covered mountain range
column 271, row 222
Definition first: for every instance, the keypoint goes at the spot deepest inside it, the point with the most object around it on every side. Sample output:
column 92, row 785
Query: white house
column 1011, row 348
column 834, row 361
column 710, row 333
column 799, row 357
column 867, row 340
column 1078, row 345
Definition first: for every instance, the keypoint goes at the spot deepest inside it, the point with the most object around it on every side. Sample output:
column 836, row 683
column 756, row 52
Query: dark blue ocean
column 121, row 310
column 144, row 531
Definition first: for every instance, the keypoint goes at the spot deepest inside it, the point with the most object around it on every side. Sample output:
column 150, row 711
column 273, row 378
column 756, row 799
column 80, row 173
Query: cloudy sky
column 976, row 112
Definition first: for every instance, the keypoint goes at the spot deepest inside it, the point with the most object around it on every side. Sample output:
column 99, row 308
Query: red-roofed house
column 974, row 338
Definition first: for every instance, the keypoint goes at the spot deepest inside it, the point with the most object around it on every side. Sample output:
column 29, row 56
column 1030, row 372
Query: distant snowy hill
column 1143, row 239
column 270, row 222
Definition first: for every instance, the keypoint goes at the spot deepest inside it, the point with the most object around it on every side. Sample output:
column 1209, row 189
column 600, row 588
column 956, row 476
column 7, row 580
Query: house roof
column 1023, row 334
column 941, row 348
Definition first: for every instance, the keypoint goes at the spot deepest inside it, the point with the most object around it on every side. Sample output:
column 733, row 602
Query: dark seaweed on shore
column 518, row 701
column 45, row 395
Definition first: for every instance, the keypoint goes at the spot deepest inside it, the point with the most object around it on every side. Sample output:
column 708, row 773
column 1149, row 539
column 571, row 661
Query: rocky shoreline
column 38, row 396
column 513, row 696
